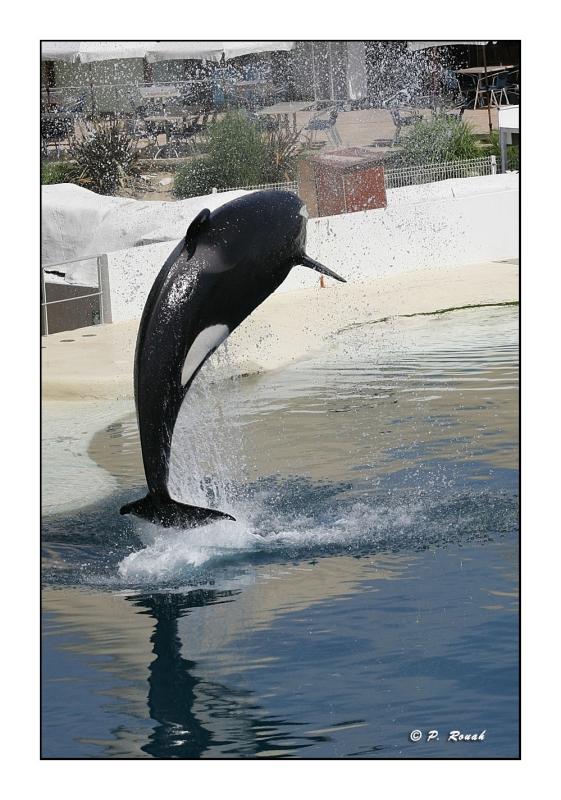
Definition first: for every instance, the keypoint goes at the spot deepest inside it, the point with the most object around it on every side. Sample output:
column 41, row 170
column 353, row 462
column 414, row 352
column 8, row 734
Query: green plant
column 493, row 148
column 440, row 139
column 513, row 156
column 283, row 149
column 493, row 144
column 104, row 158
column 195, row 178
column 239, row 153
column 237, row 150
column 57, row 172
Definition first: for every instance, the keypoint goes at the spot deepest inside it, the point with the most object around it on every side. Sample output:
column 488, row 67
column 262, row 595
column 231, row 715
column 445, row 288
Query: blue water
column 368, row 589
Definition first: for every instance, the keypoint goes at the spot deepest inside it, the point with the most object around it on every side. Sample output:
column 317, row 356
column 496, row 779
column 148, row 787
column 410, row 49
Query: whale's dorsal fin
column 194, row 230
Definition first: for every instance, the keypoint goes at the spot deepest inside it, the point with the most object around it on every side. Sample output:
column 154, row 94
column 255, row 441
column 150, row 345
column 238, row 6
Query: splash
column 401, row 440
column 323, row 521
column 207, row 453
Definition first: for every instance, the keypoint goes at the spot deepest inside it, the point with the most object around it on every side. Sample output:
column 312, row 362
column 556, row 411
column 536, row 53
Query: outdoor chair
column 513, row 87
column 320, row 122
column 138, row 130
column 74, row 105
column 498, row 87
column 202, row 124
column 401, row 119
column 55, row 130
column 468, row 91
column 465, row 102
column 495, row 93
column 185, row 131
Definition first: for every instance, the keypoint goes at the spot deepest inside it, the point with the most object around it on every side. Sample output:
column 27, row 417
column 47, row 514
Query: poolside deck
column 372, row 127
column 97, row 362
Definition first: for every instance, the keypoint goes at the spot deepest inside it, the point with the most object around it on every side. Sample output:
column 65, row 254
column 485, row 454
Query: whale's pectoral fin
column 194, row 230
column 306, row 261
column 170, row 514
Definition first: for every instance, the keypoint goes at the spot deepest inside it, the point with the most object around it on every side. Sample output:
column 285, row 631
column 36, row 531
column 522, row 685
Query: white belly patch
column 207, row 341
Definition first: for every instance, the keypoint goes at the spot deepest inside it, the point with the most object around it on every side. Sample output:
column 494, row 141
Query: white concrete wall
column 445, row 224
column 509, row 117
column 126, row 279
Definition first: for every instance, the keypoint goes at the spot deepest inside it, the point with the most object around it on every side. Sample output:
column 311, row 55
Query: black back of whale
column 230, row 261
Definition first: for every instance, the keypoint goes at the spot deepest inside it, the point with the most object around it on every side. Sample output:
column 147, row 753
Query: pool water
column 368, row 588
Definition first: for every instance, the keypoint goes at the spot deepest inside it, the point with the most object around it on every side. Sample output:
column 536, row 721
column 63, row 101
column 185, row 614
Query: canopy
column 77, row 223
column 86, row 52
column 426, row 45
column 211, row 51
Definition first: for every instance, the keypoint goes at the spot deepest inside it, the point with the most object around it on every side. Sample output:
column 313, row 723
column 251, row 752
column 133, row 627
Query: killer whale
column 229, row 262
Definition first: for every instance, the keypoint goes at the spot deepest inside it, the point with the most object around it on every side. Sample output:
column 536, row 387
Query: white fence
column 288, row 186
column 406, row 176
column 427, row 173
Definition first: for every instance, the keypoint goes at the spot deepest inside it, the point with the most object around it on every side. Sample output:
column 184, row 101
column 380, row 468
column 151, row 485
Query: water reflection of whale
column 196, row 717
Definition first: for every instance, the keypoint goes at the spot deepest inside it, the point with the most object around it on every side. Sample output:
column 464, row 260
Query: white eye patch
column 207, row 341
column 304, row 212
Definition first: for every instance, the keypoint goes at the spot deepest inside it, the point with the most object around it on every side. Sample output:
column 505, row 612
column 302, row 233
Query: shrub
column 196, row 178
column 237, row 150
column 513, row 156
column 104, row 158
column 283, row 149
column 440, row 139
column 239, row 153
column 512, row 151
column 57, row 172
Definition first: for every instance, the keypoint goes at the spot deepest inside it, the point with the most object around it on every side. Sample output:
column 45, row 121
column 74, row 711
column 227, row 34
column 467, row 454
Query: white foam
column 169, row 553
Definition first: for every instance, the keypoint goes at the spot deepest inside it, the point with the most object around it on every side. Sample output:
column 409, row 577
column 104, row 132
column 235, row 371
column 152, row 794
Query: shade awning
column 235, row 49
column 178, row 51
column 85, row 52
column 427, row 45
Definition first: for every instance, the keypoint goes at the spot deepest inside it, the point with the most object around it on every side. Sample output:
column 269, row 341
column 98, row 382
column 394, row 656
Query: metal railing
column 405, row 176
column 428, row 173
column 288, row 186
column 97, row 316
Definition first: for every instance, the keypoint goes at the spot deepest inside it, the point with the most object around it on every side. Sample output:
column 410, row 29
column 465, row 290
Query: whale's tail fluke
column 170, row 514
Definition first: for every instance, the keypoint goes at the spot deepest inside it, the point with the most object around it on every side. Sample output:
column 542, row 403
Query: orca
column 229, row 262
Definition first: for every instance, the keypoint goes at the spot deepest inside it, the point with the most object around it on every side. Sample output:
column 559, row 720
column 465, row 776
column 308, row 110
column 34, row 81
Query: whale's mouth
column 306, row 261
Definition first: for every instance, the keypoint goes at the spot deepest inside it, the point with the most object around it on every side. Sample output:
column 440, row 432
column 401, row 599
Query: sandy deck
column 97, row 362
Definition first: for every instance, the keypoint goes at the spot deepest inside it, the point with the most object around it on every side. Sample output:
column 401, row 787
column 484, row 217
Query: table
column 481, row 70
column 168, row 122
column 280, row 110
column 166, row 118
column 158, row 91
column 482, row 74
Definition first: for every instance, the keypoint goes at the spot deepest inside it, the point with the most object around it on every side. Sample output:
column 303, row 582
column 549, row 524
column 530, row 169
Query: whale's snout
column 306, row 261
